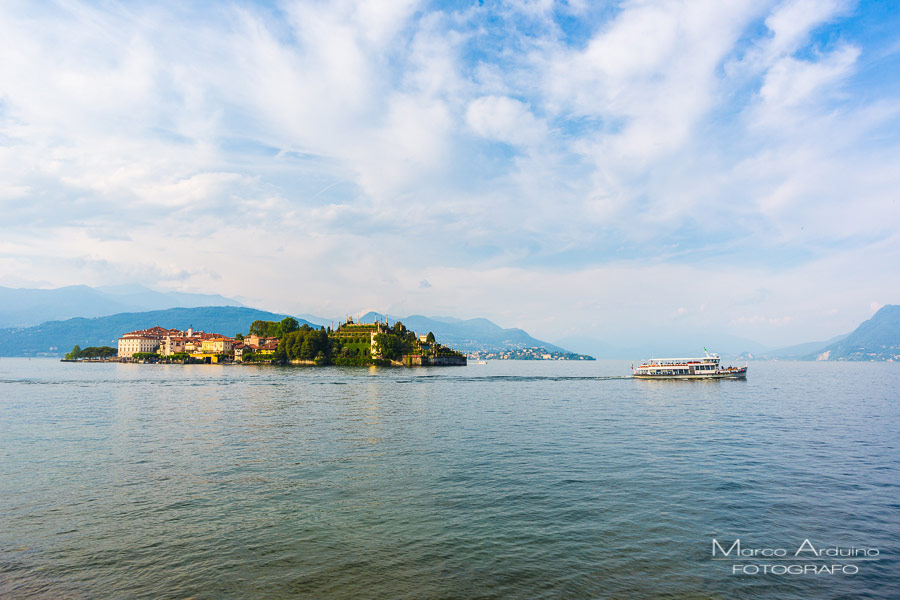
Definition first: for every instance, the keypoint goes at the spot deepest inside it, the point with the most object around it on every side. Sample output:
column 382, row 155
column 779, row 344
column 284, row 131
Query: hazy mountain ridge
column 799, row 351
column 25, row 307
column 876, row 339
column 58, row 337
column 467, row 335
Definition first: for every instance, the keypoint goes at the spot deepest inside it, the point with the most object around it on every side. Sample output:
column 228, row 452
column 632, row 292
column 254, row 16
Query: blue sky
column 613, row 169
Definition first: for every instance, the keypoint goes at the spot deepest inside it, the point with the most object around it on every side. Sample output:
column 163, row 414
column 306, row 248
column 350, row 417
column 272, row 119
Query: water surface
column 505, row 480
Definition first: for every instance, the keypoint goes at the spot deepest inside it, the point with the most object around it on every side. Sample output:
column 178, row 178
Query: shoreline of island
column 284, row 342
column 287, row 342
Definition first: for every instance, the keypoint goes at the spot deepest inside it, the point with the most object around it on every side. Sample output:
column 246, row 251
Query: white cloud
column 792, row 21
column 791, row 82
column 357, row 142
column 650, row 74
column 505, row 120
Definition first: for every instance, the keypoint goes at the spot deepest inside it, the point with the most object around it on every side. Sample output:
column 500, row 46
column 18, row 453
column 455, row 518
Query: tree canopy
column 275, row 329
column 305, row 343
column 393, row 346
column 91, row 352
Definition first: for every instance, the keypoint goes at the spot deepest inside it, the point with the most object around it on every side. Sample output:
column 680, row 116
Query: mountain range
column 796, row 351
column 466, row 335
column 23, row 307
column 876, row 339
column 57, row 337
column 37, row 321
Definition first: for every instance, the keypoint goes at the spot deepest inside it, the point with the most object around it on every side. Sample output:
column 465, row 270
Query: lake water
column 505, row 480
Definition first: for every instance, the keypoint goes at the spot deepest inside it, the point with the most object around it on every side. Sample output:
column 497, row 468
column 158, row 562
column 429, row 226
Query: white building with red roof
column 165, row 341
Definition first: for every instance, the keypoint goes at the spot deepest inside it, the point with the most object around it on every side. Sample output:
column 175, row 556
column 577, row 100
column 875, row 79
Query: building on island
column 360, row 331
column 216, row 345
column 172, row 344
column 256, row 345
column 144, row 340
column 257, row 341
column 168, row 342
column 268, row 348
column 360, row 339
column 350, row 344
column 129, row 345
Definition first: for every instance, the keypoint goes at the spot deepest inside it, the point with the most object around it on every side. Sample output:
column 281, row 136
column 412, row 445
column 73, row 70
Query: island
column 282, row 342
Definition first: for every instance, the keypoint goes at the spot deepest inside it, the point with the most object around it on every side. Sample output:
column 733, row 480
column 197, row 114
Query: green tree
column 75, row 354
column 308, row 349
column 429, row 338
column 294, row 343
column 389, row 346
column 289, row 324
column 97, row 352
column 259, row 328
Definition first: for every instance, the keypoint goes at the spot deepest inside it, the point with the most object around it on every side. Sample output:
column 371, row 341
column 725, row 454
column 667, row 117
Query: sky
column 613, row 170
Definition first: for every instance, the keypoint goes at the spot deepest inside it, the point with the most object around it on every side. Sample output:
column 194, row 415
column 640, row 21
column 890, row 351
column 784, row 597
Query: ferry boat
column 704, row 367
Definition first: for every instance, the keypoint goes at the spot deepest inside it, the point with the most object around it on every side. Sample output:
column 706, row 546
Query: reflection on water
column 505, row 480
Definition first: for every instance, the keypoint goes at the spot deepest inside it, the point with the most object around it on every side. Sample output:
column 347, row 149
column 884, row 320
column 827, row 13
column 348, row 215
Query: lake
column 513, row 479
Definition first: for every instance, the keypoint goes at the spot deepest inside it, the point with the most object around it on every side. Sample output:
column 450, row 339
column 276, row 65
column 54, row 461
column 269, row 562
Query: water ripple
column 499, row 481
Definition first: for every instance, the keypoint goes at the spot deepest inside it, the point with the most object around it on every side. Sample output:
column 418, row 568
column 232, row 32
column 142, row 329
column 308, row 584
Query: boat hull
column 741, row 374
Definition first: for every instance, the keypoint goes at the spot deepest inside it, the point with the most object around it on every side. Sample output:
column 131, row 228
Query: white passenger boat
column 704, row 367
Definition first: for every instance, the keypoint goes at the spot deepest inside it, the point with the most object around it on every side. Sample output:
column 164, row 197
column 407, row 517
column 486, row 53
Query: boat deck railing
column 681, row 361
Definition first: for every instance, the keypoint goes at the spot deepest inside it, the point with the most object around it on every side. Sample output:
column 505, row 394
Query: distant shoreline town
column 280, row 342
column 535, row 353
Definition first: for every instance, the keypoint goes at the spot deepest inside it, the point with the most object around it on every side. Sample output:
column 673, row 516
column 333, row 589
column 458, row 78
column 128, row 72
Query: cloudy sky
column 612, row 168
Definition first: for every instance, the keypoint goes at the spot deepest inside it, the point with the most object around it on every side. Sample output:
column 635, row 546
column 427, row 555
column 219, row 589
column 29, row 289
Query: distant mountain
column 143, row 297
column 599, row 348
column 799, row 351
column 466, row 335
column 58, row 337
column 22, row 307
column 875, row 339
column 324, row 322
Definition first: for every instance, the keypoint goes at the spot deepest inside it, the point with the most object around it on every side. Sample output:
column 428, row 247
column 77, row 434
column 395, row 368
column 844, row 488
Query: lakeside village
column 280, row 342
column 533, row 353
